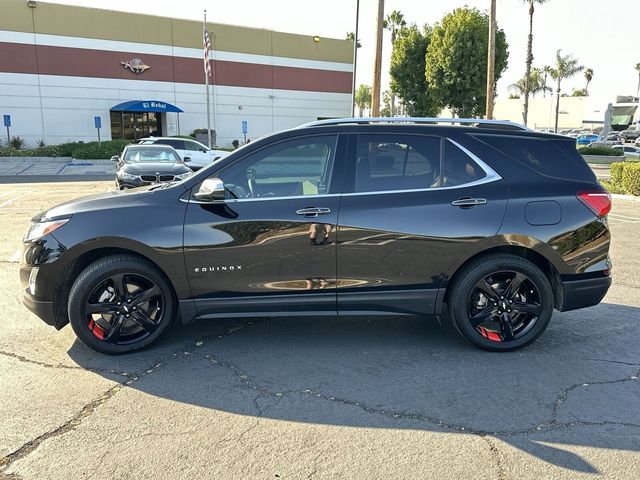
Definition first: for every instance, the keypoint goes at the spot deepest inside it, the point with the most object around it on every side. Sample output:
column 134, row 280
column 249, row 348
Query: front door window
column 293, row 168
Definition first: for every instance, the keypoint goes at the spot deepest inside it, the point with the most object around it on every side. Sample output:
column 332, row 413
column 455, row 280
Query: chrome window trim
column 491, row 176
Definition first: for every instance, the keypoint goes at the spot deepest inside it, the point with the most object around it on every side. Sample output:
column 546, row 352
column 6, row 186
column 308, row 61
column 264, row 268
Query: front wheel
column 501, row 302
column 121, row 304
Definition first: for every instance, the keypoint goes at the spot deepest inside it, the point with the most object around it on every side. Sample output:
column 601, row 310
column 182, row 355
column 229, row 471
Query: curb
column 66, row 160
column 620, row 196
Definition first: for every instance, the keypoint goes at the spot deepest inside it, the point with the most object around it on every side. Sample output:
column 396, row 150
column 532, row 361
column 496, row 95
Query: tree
column 527, row 74
column 363, row 98
column 588, row 76
column 637, row 67
column 394, row 22
column 351, row 37
column 386, row 110
column 581, row 92
column 456, row 61
column 407, row 72
column 566, row 67
column 536, row 85
column 547, row 71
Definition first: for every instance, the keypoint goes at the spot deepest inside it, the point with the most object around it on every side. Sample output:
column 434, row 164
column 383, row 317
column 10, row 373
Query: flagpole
column 213, row 85
column 206, row 80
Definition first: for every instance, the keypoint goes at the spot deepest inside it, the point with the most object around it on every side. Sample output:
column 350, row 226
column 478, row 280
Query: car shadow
column 406, row 372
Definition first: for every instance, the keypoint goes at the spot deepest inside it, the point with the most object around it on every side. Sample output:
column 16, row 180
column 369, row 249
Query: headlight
column 182, row 176
column 127, row 176
column 39, row 230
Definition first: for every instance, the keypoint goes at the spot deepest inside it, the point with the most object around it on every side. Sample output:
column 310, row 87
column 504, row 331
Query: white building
column 61, row 66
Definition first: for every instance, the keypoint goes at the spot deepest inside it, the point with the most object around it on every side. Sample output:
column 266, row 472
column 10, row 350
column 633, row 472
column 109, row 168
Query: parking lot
column 297, row 398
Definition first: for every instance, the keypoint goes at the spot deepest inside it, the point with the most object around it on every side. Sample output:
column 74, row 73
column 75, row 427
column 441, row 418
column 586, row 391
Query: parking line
column 7, row 193
column 15, row 258
column 9, row 202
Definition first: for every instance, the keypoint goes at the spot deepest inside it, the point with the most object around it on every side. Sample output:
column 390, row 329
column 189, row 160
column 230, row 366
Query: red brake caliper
column 97, row 331
column 493, row 336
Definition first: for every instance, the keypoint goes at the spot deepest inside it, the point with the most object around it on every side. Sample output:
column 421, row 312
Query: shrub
column 235, row 143
column 604, row 151
column 91, row 150
column 17, row 142
column 631, row 178
column 611, row 187
column 616, row 173
column 40, row 143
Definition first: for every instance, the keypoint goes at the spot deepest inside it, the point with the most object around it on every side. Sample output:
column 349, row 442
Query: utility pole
column 491, row 61
column 355, row 62
column 377, row 66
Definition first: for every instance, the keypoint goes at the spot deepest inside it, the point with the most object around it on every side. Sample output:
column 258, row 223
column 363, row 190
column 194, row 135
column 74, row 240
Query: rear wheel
column 501, row 302
column 121, row 304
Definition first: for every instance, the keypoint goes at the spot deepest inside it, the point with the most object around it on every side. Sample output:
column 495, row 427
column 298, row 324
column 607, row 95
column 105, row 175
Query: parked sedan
column 629, row 151
column 586, row 139
column 147, row 164
column 200, row 154
column 629, row 135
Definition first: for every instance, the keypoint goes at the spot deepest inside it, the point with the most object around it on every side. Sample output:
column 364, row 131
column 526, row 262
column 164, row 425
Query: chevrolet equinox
column 487, row 222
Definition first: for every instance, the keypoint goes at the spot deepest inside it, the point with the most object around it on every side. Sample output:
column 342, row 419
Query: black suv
column 491, row 222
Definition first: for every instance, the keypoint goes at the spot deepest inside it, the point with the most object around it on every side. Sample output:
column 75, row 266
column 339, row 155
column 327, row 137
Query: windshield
column 141, row 154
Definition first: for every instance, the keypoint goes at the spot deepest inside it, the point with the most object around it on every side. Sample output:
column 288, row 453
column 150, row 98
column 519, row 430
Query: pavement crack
column 68, row 426
column 495, row 453
column 549, row 425
column 23, row 359
column 85, row 412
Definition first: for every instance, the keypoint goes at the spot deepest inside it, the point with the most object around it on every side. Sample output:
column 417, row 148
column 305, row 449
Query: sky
column 602, row 36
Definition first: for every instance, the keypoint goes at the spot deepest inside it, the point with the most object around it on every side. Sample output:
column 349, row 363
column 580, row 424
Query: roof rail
column 415, row 120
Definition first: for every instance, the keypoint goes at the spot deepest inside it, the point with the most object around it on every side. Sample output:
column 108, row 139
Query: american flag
column 206, row 44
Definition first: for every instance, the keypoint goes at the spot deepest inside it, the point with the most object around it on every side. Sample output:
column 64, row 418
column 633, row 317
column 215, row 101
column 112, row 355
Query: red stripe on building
column 80, row 62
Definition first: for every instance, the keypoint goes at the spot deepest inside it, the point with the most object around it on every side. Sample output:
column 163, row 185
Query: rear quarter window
column 549, row 157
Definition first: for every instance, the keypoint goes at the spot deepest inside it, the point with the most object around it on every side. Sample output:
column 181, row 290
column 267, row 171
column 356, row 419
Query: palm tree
column 536, row 84
column 566, row 67
column 363, row 98
column 394, row 22
column 588, row 76
column 547, row 71
column 527, row 75
column 638, row 70
column 352, row 36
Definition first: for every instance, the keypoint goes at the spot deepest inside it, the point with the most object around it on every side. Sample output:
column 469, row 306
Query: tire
column 487, row 312
column 132, row 305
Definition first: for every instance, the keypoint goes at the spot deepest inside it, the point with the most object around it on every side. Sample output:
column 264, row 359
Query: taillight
column 598, row 202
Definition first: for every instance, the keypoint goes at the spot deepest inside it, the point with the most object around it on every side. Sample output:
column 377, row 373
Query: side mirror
column 186, row 159
column 115, row 158
column 211, row 190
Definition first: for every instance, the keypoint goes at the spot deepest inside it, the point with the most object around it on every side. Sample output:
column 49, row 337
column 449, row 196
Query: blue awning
column 145, row 106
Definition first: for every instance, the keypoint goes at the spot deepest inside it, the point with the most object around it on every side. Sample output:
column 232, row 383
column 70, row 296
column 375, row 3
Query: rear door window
column 459, row 168
column 397, row 162
column 175, row 143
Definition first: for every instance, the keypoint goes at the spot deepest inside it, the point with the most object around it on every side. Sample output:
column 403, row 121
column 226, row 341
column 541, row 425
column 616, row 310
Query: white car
column 199, row 155
column 628, row 150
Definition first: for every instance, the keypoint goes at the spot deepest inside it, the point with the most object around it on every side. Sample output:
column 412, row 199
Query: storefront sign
column 136, row 65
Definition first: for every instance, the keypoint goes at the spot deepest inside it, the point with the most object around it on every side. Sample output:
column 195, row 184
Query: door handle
column 313, row 211
column 468, row 202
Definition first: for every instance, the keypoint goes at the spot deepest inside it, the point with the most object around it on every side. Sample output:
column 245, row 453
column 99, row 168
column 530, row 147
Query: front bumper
column 584, row 293
column 43, row 309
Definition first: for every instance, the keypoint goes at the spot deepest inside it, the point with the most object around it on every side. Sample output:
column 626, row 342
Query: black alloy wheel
column 504, row 305
column 125, row 308
column 121, row 304
column 501, row 302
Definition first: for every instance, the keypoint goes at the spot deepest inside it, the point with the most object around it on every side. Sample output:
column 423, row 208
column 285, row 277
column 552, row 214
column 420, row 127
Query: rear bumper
column 584, row 293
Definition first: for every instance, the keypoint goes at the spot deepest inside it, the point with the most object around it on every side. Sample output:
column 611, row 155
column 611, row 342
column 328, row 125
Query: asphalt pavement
column 357, row 398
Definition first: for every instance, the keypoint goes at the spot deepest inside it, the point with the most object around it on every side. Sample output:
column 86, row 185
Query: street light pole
column 355, row 62
column 491, row 59
column 377, row 66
